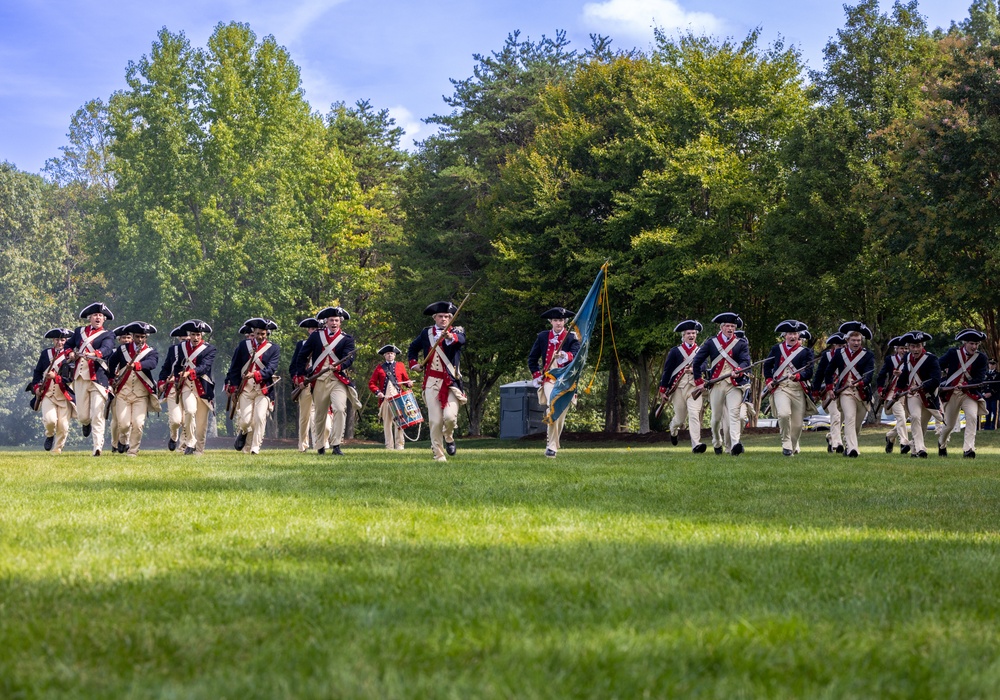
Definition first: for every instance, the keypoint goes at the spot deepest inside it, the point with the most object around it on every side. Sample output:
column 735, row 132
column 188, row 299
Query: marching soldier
column 441, row 345
column 919, row 379
column 834, row 438
column 888, row 386
column 786, row 373
column 552, row 348
column 250, row 381
column 52, row 388
column 165, row 384
column 849, row 378
column 388, row 381
column 305, row 396
column 121, row 338
column 677, row 383
column 132, row 366
column 725, row 354
column 194, row 386
column 961, row 367
column 91, row 345
column 331, row 353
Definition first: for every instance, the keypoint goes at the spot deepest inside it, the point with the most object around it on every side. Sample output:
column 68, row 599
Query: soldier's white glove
column 561, row 357
column 536, row 382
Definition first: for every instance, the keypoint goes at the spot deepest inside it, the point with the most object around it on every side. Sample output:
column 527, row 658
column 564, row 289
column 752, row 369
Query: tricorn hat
column 333, row 311
column 256, row 322
column 554, row 312
column 740, row 334
column 196, row 325
column 119, row 331
column 805, row 335
column 855, row 327
column 916, row 337
column 729, row 317
column 178, row 332
column 140, row 327
column 441, row 307
column 896, row 342
column 309, row 323
column 689, row 325
column 59, row 333
column 970, row 335
column 835, row 339
column 388, row 348
column 791, row 326
column 97, row 308
column 271, row 325
column 245, row 330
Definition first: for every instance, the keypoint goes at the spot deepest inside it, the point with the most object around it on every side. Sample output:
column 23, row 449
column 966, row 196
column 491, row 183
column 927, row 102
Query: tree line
column 715, row 174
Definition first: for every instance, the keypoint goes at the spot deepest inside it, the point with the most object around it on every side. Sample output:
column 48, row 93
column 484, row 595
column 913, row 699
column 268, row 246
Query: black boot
column 241, row 441
column 48, row 443
column 699, row 448
column 85, row 430
column 888, row 446
column 451, row 448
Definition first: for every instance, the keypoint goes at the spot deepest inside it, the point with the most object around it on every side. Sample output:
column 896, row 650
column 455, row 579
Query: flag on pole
column 568, row 377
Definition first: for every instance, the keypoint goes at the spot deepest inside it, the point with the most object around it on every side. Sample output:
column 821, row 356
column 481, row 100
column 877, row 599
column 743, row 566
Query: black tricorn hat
column 119, row 331
column 916, row 337
column 196, row 325
column 740, row 334
column 970, row 335
column 256, row 322
column 310, row 322
column 554, row 312
column 271, row 325
column 896, row 342
column 388, row 348
column 178, row 332
column 440, row 307
column 835, row 339
column 689, row 325
column 140, row 327
column 791, row 326
column 333, row 311
column 855, row 327
column 805, row 335
column 59, row 333
column 729, row 317
column 97, row 308
column 245, row 330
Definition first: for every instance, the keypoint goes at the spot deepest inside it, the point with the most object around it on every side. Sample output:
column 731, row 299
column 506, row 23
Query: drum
column 405, row 411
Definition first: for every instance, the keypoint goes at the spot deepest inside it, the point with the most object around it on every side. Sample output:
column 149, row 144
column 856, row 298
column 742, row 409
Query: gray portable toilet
column 520, row 412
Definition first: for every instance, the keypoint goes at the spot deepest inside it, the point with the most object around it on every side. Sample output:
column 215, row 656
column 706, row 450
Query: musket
column 769, row 389
column 297, row 391
column 430, row 354
column 844, row 386
column 699, row 390
column 92, row 358
column 233, row 403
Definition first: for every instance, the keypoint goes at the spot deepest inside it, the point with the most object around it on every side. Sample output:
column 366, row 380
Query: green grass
column 642, row 572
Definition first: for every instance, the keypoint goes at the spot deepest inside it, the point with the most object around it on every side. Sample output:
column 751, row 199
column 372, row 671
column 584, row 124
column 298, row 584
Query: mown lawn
column 608, row 572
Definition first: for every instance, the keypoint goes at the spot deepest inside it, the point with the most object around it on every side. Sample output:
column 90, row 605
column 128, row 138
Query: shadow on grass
column 308, row 619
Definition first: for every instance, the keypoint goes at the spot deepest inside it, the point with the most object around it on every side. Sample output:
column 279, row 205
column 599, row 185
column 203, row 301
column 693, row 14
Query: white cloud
column 636, row 18
column 410, row 124
column 302, row 17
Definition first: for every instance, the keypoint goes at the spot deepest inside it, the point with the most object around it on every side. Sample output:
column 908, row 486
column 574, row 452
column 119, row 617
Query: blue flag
column 568, row 377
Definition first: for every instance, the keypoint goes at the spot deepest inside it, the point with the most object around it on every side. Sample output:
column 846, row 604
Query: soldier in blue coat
column 52, row 389
column 251, row 382
column 835, row 436
column 441, row 345
column 305, row 397
column 787, row 371
column 91, row 347
column 887, row 384
column 850, row 377
column 724, row 355
column 919, row 382
column 677, row 385
column 555, row 347
column 960, row 367
column 132, row 366
column 194, row 386
column 166, row 389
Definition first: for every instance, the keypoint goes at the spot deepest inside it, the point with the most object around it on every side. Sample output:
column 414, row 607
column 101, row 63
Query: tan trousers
column 554, row 430
column 175, row 417
column 686, row 410
column 131, row 414
column 114, row 424
column 443, row 421
column 91, row 398
column 899, row 430
column 836, row 434
column 726, row 400
column 251, row 416
column 56, row 411
column 195, row 420
column 959, row 402
column 789, row 404
column 305, row 417
column 919, row 418
column 853, row 411
column 329, row 393
column 394, row 439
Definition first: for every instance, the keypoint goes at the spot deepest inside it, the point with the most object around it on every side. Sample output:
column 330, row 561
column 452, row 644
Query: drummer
column 390, row 379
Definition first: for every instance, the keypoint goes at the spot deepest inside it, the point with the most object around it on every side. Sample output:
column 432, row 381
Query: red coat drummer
column 388, row 380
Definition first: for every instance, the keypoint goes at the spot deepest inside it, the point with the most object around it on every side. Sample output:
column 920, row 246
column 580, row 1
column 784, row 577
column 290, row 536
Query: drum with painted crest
column 405, row 410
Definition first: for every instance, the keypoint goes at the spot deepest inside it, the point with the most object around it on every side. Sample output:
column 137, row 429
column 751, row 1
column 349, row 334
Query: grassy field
column 608, row 572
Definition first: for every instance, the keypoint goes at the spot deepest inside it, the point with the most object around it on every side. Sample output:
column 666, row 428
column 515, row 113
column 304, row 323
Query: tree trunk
column 614, row 412
column 642, row 389
column 350, row 421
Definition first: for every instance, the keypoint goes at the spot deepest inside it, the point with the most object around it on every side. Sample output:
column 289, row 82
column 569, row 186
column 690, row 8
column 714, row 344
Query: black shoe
column 241, row 441
column 852, row 453
column 942, row 451
column 451, row 448
column 122, row 448
column 829, row 447
column 914, row 455
column 904, row 449
column 737, row 449
column 699, row 448
column 969, row 454
column 97, row 453
column 321, row 451
column 718, row 450
column 171, row 444
column 888, row 446
column 922, row 454
column 189, row 450
column 550, row 453
column 336, row 450
column 840, row 449
column 48, row 442
column 85, row 429
column 673, row 439
column 785, row 452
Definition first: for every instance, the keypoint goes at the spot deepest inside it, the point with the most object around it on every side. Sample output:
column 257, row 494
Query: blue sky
column 55, row 55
